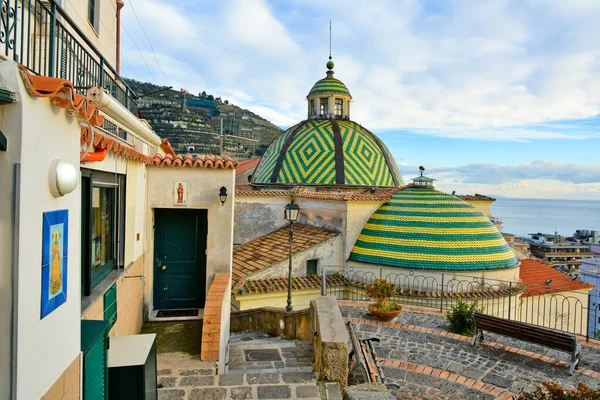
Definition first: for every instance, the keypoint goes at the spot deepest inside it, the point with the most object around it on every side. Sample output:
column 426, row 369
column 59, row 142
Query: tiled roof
column 104, row 142
column 62, row 94
column 165, row 145
column 535, row 274
column 245, row 165
column 380, row 195
column 266, row 250
column 281, row 284
column 189, row 160
column 476, row 197
column 427, row 229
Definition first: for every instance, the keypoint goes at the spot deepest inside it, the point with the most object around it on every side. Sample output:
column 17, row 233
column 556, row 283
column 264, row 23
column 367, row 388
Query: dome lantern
column 423, row 182
column 329, row 98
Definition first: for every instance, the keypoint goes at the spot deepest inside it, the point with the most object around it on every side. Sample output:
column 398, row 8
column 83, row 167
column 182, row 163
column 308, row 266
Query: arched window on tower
column 313, row 107
column 324, row 108
column 339, row 106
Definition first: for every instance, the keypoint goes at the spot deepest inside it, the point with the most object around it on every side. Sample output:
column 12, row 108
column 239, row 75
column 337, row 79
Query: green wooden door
column 179, row 258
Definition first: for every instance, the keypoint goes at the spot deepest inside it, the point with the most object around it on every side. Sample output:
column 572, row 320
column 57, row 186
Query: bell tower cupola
column 329, row 98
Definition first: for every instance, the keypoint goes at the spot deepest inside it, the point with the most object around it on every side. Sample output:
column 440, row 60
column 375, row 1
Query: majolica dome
column 423, row 228
column 328, row 149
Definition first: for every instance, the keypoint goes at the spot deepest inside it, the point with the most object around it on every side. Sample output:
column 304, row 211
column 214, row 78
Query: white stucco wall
column 203, row 190
column 44, row 347
column 10, row 125
column 357, row 215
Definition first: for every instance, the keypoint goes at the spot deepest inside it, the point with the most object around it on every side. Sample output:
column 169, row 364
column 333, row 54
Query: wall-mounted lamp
column 63, row 178
column 223, row 195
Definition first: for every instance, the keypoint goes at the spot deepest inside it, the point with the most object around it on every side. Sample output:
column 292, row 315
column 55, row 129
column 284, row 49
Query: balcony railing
column 41, row 36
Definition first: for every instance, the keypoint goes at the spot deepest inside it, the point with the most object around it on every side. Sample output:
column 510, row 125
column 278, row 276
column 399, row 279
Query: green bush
column 382, row 291
column 461, row 317
column 553, row 391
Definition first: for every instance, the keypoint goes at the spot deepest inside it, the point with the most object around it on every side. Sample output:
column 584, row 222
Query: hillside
column 192, row 123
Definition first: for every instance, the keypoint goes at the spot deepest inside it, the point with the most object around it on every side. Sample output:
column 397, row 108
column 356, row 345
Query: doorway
column 179, row 258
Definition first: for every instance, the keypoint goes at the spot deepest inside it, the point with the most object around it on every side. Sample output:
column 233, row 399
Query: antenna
column 330, row 40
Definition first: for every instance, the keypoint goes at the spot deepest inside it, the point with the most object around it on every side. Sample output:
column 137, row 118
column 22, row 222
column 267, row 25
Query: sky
column 492, row 97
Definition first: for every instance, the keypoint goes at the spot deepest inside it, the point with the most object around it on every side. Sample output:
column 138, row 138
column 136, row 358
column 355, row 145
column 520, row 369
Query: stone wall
column 214, row 339
column 330, row 342
column 273, row 321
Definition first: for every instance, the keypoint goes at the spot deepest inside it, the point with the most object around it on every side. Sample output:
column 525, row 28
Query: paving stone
column 262, row 378
column 231, row 380
column 274, row 392
column 164, row 382
column 188, row 372
column 307, row 391
column 298, row 377
column 497, row 380
column 171, row 394
column 453, row 366
column 208, row 394
column 197, row 381
column 240, row 393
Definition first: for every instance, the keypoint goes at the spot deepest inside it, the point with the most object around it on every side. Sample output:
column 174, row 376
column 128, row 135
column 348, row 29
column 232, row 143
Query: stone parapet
column 213, row 313
column 330, row 342
column 273, row 321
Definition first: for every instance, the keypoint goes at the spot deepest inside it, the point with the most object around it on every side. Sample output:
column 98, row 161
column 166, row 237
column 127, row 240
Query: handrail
column 87, row 41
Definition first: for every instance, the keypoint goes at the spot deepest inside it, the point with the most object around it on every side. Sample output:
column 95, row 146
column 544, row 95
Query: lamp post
column 291, row 214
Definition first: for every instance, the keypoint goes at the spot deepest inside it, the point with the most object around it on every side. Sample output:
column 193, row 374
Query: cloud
column 518, row 174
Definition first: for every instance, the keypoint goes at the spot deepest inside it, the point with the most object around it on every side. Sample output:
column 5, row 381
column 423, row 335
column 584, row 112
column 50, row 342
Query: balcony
column 41, row 36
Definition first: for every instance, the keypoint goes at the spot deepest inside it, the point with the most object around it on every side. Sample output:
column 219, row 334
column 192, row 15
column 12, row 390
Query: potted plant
column 381, row 291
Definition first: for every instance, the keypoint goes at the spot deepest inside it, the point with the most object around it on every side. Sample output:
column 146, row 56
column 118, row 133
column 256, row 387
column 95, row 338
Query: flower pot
column 384, row 316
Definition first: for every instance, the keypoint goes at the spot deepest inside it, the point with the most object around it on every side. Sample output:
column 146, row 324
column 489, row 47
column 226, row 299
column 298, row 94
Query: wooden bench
column 530, row 333
column 363, row 357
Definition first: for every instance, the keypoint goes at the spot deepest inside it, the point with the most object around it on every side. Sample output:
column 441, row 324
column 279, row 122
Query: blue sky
column 497, row 97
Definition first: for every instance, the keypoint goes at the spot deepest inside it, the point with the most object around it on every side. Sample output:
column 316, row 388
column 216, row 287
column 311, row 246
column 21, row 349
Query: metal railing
column 42, row 36
column 541, row 305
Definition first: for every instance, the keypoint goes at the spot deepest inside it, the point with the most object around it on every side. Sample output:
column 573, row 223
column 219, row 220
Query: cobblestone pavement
column 505, row 370
column 290, row 378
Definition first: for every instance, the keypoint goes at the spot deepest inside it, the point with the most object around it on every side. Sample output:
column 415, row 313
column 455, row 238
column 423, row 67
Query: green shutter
column 110, row 305
column 311, row 267
column 94, row 345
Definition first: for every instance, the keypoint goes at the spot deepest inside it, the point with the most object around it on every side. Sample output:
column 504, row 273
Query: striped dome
column 327, row 152
column 427, row 229
column 329, row 85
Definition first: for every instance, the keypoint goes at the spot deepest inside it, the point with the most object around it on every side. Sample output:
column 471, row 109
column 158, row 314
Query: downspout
column 120, row 5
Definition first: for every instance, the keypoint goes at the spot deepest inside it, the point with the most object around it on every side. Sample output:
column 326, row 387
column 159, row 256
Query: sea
column 524, row 216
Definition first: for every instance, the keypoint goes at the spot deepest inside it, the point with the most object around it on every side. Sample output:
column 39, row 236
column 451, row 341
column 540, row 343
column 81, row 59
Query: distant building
column 518, row 244
column 590, row 273
column 562, row 255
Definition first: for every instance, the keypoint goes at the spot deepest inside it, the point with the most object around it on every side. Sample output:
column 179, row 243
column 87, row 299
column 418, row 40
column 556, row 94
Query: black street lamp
column 291, row 214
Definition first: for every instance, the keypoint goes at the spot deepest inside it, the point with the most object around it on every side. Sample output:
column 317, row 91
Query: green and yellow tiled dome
column 327, row 152
column 329, row 85
column 427, row 229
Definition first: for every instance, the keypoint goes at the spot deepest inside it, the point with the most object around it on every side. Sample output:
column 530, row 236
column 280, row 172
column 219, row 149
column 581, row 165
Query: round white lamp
column 63, row 178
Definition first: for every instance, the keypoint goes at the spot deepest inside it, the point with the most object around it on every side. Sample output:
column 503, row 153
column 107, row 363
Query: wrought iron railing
column 542, row 305
column 42, row 36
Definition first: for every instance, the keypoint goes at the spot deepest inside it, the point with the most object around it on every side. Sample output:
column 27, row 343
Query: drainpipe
column 120, row 5
column 93, row 156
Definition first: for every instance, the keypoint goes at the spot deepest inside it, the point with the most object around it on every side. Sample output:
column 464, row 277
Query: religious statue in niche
column 180, row 194
column 55, row 245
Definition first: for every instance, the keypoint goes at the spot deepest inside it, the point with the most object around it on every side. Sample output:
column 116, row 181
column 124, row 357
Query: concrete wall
column 258, row 216
column 273, row 321
column 10, row 125
column 358, row 213
column 300, row 299
column 203, row 190
column 44, row 348
column 330, row 215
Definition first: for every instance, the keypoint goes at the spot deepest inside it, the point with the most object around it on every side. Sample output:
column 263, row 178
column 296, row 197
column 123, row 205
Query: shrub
column 553, row 391
column 461, row 317
column 381, row 291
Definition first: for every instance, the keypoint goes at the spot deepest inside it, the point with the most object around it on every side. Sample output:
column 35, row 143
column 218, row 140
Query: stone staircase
column 260, row 367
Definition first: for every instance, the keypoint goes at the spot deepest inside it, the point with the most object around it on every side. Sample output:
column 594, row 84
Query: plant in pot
column 382, row 291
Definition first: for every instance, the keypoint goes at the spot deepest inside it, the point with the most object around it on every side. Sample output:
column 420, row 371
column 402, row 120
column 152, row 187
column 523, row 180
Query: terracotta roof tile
column 273, row 285
column 190, row 160
column 165, row 145
column 476, row 197
column 380, row 195
column 535, row 273
column 62, row 94
column 245, row 165
column 104, row 142
column 269, row 249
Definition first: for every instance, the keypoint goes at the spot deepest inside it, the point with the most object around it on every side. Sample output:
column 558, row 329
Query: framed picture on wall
column 180, row 190
column 55, row 256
